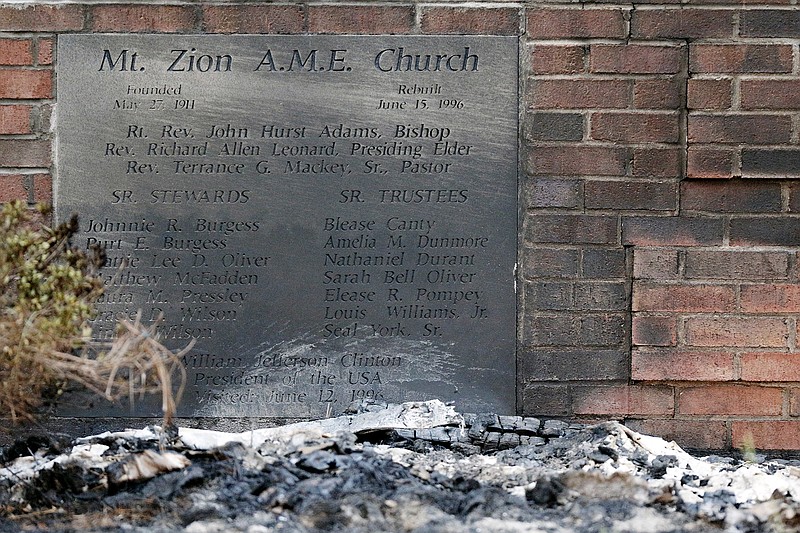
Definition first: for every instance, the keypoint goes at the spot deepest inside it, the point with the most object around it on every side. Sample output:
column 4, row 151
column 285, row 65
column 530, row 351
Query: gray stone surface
column 328, row 222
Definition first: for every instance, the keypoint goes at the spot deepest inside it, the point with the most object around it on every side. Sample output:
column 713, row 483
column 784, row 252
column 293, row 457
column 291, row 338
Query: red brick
column 669, row 365
column 739, row 265
column 41, row 18
column 658, row 93
column 757, row 197
column 643, row 2
column 571, row 23
column 554, row 126
column 689, row 434
column 657, row 162
column 543, row 400
column 572, row 229
column 15, row 119
column 769, row 23
column 682, row 23
column 42, row 188
column 770, row 366
column 635, row 59
column 731, row 196
column 766, row 435
column 360, row 19
column 740, row 58
column 24, row 153
column 577, row 160
column 550, row 263
column 629, row 195
column 654, row 331
column 763, row 231
column 559, row 364
column 794, row 402
column 492, row 21
column 141, row 18
column 579, row 94
column 770, row 162
column 552, row 330
column 730, row 400
column 794, row 197
column 683, row 298
column 553, row 193
column 21, row 84
column 12, row 187
column 604, row 263
column 769, row 298
column 737, row 3
column 601, row 296
column 623, row 400
column 655, row 263
column 557, row 59
column 709, row 163
column 755, row 332
column 709, row 93
column 16, row 52
column 635, row 127
column 44, row 54
column 671, row 231
column 550, row 295
column 740, row 129
column 253, row 19
column 770, row 94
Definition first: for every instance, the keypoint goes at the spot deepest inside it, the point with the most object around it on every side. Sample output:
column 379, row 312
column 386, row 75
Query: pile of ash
column 415, row 467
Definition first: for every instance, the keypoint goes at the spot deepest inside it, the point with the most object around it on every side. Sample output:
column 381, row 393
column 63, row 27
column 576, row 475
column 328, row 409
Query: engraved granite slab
column 332, row 218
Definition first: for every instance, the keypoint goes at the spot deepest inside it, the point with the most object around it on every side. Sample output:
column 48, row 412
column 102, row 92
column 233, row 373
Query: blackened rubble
column 412, row 467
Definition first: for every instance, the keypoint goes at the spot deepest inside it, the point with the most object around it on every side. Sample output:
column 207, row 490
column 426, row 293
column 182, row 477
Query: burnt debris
column 415, row 467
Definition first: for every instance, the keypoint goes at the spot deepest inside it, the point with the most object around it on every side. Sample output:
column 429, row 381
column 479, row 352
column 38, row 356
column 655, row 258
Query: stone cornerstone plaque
column 332, row 218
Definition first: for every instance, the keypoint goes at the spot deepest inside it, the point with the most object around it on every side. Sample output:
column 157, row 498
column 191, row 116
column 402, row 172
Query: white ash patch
column 419, row 466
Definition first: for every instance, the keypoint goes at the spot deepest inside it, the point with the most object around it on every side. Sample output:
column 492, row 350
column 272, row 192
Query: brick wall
column 659, row 276
column 660, row 239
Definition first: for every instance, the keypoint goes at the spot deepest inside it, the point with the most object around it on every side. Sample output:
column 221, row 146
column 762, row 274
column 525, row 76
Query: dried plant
column 133, row 364
column 47, row 295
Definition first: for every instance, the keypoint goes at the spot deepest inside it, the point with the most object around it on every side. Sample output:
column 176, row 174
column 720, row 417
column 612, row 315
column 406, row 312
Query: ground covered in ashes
column 416, row 467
